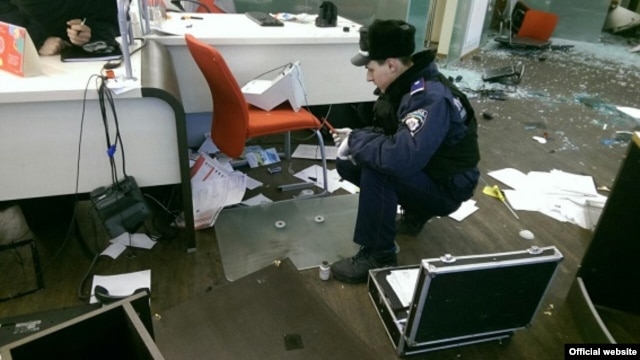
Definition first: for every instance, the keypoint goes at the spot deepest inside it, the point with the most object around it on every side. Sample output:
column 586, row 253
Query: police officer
column 421, row 152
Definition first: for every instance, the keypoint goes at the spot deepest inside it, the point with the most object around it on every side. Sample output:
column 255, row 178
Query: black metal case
column 464, row 300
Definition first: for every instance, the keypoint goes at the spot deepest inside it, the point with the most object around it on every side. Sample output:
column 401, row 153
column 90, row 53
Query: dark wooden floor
column 547, row 102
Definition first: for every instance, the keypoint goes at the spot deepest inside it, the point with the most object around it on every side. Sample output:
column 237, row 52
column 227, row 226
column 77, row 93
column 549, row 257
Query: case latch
column 535, row 250
column 448, row 258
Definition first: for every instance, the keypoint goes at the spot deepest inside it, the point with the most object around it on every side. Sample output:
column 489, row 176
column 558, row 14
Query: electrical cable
column 85, row 277
column 105, row 97
column 272, row 70
column 78, row 159
column 163, row 234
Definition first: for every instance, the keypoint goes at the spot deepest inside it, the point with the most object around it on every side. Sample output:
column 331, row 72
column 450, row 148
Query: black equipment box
column 461, row 300
column 121, row 207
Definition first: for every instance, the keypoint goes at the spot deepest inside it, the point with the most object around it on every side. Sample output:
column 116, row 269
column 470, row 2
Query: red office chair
column 211, row 7
column 234, row 120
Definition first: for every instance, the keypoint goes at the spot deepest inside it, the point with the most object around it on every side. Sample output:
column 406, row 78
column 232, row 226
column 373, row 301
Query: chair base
column 296, row 186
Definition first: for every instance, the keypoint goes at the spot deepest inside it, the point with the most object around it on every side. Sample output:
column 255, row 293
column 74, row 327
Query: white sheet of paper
column 305, row 151
column 207, row 146
column 573, row 183
column 142, row 241
column 466, row 208
column 114, row 250
column 403, row 282
column 314, row 174
column 349, row 187
column 257, row 200
column 122, row 284
column 513, row 178
column 253, row 183
column 525, row 200
column 633, row 112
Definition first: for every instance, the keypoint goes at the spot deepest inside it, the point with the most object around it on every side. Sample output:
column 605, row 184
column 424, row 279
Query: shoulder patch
column 414, row 121
column 417, row 86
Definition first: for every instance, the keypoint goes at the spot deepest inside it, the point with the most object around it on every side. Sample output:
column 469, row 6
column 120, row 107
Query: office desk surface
column 59, row 81
column 227, row 29
column 252, row 50
column 52, row 132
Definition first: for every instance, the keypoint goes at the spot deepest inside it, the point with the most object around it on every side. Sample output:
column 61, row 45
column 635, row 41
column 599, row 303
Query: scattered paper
column 633, row 112
column 114, row 250
column 513, row 178
column 213, row 187
column 138, row 240
column 403, row 282
column 560, row 195
column 256, row 156
column 314, row 174
column 120, row 85
column 349, row 187
column 253, row 183
column 208, row 147
column 540, row 139
column 304, row 151
column 467, row 208
column 122, row 284
column 257, row 200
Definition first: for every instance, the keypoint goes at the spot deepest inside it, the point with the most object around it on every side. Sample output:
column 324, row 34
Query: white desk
column 251, row 50
column 40, row 125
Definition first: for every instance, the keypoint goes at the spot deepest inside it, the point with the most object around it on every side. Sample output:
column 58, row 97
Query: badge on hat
column 415, row 120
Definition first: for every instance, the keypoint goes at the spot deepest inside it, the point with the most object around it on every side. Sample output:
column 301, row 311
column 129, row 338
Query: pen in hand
column 82, row 24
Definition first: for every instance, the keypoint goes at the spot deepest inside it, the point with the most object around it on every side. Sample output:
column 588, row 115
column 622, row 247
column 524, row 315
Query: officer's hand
column 52, row 46
column 78, row 33
column 339, row 135
column 344, row 152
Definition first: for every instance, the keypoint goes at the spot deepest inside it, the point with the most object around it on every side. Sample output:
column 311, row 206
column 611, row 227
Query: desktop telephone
column 328, row 15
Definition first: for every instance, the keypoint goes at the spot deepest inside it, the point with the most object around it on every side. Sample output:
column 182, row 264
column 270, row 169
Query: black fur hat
column 385, row 39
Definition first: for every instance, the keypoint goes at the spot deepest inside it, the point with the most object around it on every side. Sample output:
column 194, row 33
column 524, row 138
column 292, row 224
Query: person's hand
column 344, row 152
column 78, row 32
column 339, row 135
column 52, row 46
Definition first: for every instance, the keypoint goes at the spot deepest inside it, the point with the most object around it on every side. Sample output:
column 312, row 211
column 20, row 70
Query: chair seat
column 278, row 120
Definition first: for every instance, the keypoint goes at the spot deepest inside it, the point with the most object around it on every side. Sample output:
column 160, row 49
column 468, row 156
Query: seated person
column 55, row 24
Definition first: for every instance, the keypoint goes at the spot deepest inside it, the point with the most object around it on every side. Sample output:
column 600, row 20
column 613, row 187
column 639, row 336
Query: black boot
column 356, row 269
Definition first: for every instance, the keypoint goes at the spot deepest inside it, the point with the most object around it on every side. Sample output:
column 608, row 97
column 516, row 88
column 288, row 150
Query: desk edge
column 158, row 79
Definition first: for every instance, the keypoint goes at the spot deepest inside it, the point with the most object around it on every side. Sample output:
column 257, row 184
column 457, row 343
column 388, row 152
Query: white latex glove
column 344, row 152
column 339, row 135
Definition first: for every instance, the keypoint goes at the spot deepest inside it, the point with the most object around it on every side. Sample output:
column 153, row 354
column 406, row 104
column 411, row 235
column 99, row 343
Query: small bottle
column 325, row 271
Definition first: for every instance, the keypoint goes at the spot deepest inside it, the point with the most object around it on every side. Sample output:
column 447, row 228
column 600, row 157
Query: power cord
column 78, row 158
column 105, row 97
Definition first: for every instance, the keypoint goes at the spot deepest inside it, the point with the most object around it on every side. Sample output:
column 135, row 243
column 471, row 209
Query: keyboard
column 263, row 19
column 494, row 74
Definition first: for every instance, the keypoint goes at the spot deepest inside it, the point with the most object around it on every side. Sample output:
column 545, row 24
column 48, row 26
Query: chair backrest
column 230, row 109
column 538, row 25
column 211, row 7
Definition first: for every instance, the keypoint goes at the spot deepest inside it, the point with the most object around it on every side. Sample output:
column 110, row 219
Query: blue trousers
column 380, row 195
